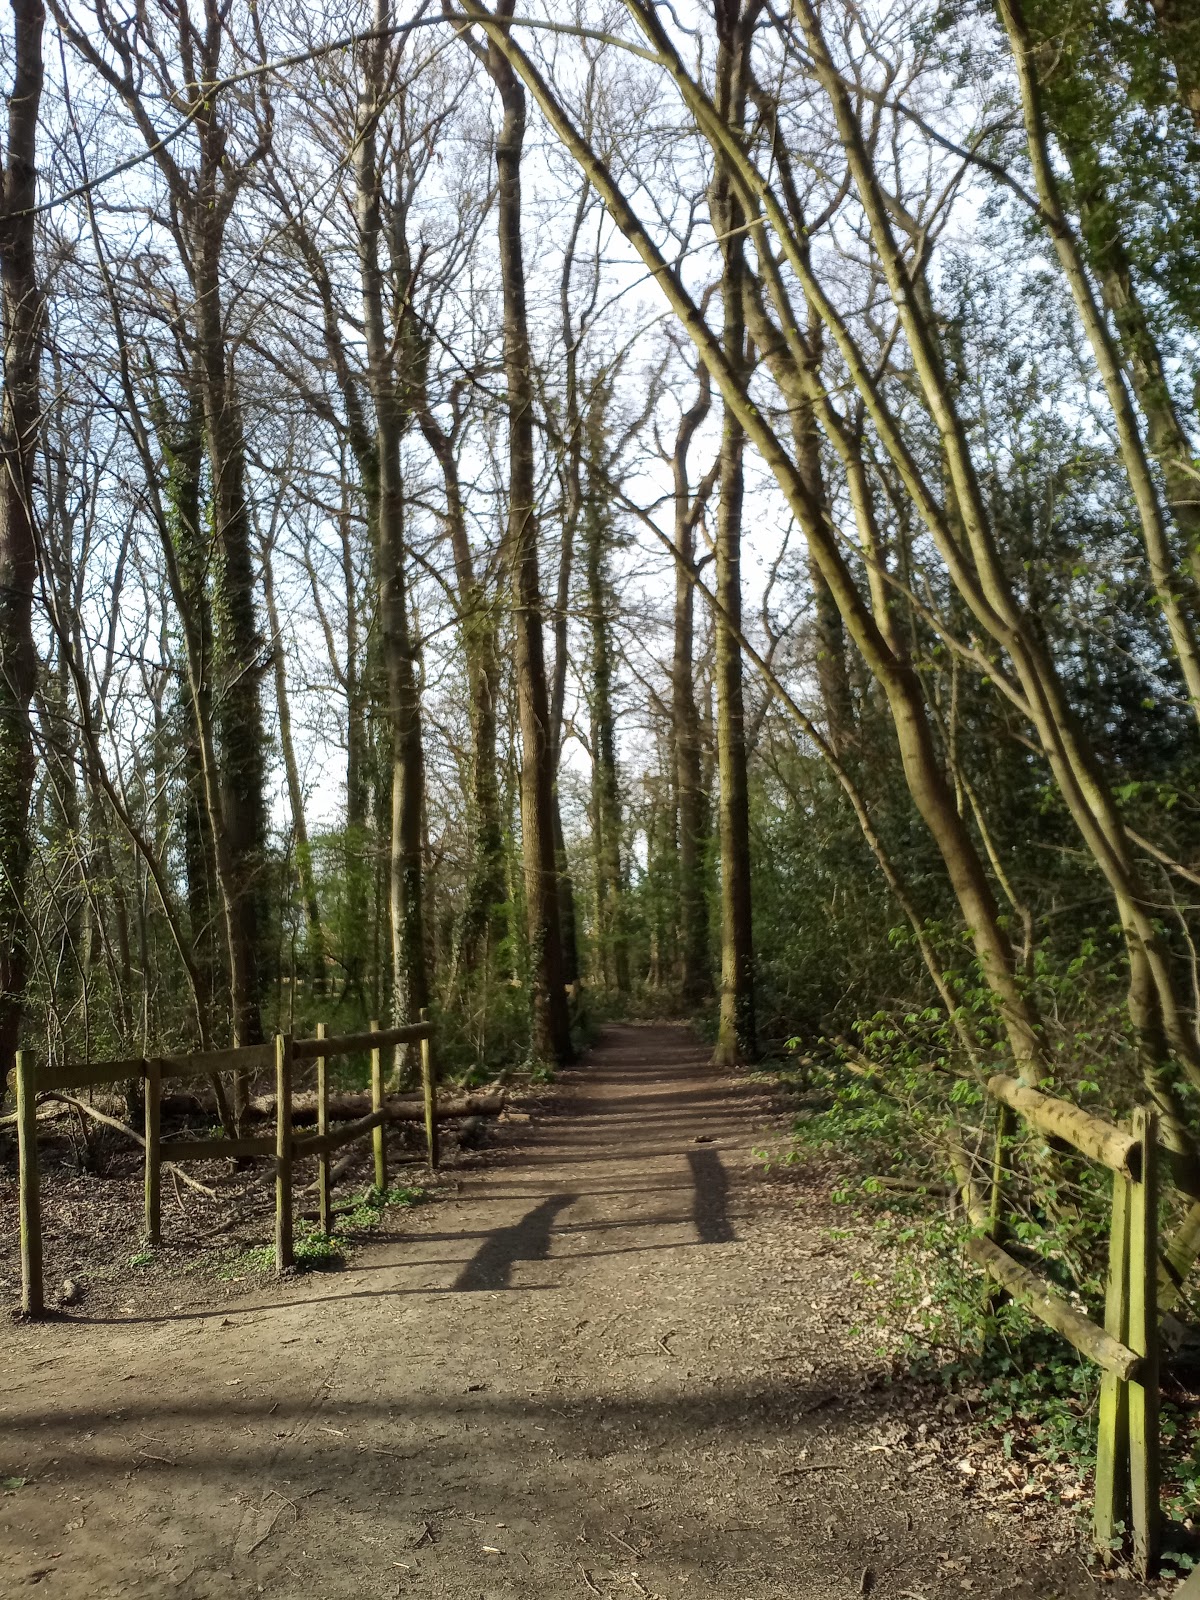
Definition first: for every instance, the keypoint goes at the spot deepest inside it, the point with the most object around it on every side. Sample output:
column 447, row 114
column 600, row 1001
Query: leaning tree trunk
column 551, row 1022
column 20, row 416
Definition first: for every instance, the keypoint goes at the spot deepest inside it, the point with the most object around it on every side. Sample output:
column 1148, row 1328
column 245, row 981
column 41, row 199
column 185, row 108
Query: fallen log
column 399, row 1108
column 132, row 1134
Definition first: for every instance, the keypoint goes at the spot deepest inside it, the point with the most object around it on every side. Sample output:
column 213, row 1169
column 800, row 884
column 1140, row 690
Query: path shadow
column 710, row 1206
column 528, row 1240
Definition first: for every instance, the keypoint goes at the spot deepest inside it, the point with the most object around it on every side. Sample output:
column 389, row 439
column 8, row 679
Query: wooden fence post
column 377, row 1133
column 284, row 1255
column 429, row 1087
column 1143, row 1340
column 324, row 1195
column 1112, row 1439
column 32, row 1303
column 153, row 1110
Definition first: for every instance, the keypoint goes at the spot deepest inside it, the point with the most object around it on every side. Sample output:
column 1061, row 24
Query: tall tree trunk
column 483, row 920
column 21, row 314
column 237, row 711
column 181, row 442
column 691, row 794
column 736, row 1037
column 612, row 943
column 551, row 1022
column 572, row 506
column 315, row 950
column 357, row 870
column 388, row 376
column 202, row 199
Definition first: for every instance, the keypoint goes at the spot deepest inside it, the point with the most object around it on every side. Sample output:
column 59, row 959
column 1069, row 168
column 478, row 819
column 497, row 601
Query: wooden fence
column 1126, row 1348
column 285, row 1145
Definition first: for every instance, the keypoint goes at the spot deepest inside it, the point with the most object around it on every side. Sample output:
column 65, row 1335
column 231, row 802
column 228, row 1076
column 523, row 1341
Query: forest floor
column 615, row 1360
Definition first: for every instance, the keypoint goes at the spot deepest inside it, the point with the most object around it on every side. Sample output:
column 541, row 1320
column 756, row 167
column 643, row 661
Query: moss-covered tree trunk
column 611, row 933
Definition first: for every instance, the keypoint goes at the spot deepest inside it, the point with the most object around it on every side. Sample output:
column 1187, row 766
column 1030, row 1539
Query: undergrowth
column 316, row 1251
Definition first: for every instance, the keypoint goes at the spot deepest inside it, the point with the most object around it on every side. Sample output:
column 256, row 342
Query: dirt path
column 600, row 1371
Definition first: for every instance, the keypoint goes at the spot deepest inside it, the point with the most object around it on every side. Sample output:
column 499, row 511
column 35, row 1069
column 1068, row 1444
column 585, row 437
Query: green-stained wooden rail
column 285, row 1146
column 1091, row 1136
column 1126, row 1347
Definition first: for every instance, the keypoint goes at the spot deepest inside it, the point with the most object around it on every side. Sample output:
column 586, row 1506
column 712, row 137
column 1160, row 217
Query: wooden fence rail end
column 1091, row 1136
column 1044, row 1301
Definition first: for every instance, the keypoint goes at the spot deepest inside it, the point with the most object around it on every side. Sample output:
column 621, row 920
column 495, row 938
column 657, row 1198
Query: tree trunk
column 237, row 712
column 736, row 1038
column 691, row 795
column 483, row 923
column 21, row 312
column 551, row 1023
column 388, row 376
column 833, row 678
column 358, row 833
column 611, row 939
column 572, row 506
column 304, row 864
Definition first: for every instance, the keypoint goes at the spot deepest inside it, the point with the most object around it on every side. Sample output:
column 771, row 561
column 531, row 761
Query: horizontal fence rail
column 285, row 1146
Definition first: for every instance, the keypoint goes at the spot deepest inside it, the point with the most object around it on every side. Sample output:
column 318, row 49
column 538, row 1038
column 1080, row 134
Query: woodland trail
column 612, row 1366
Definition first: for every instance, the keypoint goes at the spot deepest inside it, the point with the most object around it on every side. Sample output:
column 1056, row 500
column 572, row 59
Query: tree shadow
column 527, row 1240
column 710, row 1205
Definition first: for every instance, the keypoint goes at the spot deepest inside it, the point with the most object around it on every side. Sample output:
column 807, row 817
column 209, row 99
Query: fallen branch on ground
column 130, row 1133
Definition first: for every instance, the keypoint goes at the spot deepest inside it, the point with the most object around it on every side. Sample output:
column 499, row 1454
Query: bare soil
column 613, row 1361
